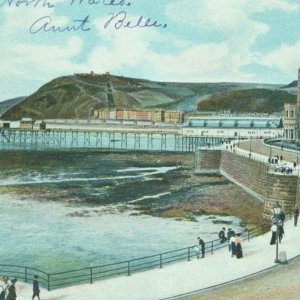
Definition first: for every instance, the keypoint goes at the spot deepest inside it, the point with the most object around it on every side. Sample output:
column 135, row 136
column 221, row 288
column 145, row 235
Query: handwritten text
column 98, row 2
column 45, row 24
column 120, row 20
column 27, row 3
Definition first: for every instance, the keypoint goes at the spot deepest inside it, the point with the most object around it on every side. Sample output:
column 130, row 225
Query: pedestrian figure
column 232, row 244
column 280, row 231
column 238, row 244
column 295, row 165
column 281, row 217
column 296, row 215
column 12, row 291
column 202, row 247
column 274, row 233
column 230, row 232
column 4, row 288
column 222, row 236
column 36, row 287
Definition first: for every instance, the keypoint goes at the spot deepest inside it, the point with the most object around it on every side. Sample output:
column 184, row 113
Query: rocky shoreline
column 208, row 195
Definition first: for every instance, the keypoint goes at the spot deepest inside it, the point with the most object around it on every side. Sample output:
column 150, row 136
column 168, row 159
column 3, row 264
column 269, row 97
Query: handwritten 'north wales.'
column 49, row 4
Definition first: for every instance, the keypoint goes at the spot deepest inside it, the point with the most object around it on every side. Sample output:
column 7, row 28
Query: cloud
column 223, row 15
column 189, row 61
column 29, row 56
column 195, row 63
column 234, row 20
column 286, row 58
column 48, row 58
column 120, row 48
column 28, row 61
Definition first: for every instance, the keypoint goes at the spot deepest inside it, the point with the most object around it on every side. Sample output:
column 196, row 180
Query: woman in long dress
column 274, row 233
column 238, row 243
column 232, row 245
column 4, row 286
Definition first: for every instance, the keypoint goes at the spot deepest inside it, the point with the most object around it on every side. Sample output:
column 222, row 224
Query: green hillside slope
column 249, row 100
column 77, row 96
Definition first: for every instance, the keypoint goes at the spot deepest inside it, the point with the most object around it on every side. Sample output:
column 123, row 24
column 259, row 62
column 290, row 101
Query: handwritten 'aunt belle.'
column 117, row 20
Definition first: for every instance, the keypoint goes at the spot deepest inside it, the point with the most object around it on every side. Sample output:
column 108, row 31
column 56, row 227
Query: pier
column 112, row 139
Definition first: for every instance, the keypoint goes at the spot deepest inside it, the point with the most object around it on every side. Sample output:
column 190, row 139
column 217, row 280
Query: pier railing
column 90, row 274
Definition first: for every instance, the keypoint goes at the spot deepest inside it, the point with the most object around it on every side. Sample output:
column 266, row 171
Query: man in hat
column 12, row 290
column 201, row 246
column 222, row 236
column 36, row 287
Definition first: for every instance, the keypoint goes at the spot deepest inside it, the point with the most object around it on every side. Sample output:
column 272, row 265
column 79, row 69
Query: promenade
column 184, row 278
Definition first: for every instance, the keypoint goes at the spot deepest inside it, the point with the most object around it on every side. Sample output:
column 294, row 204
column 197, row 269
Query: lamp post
column 277, row 210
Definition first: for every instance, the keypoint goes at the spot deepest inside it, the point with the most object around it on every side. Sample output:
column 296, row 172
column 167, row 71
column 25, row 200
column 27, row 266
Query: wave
column 38, row 178
column 155, row 169
column 149, row 197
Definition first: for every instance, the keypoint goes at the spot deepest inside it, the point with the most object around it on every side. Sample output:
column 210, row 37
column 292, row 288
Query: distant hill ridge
column 77, row 95
column 249, row 100
column 6, row 105
column 291, row 85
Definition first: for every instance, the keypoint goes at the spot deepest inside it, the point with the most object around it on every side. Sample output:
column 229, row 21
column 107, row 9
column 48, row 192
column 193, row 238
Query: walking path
column 181, row 278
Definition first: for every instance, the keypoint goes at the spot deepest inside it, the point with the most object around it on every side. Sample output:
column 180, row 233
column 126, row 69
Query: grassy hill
column 249, row 100
column 76, row 96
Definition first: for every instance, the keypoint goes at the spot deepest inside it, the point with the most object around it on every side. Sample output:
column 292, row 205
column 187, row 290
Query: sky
column 170, row 40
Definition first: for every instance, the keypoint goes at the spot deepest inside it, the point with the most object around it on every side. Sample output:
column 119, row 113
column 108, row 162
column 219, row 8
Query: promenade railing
column 90, row 274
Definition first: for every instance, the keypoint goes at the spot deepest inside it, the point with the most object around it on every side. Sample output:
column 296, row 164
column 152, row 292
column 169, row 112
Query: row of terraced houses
column 156, row 115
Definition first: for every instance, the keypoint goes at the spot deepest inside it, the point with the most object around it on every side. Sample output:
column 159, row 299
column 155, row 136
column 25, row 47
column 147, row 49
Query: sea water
column 72, row 210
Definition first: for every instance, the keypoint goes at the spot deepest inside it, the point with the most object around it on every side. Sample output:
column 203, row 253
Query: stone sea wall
column 253, row 176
